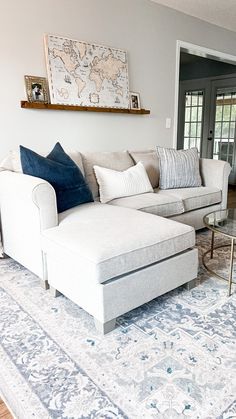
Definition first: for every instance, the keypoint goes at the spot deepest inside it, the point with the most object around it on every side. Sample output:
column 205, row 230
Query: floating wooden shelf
column 38, row 105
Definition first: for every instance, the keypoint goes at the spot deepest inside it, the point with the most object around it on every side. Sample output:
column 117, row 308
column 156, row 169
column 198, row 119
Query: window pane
column 232, row 130
column 233, row 113
column 231, row 146
column 223, row 150
column 194, row 114
column 199, row 114
column 198, row 143
column 230, row 160
column 194, row 98
column 199, row 129
column 217, row 129
column 193, row 130
column 216, row 147
column 192, row 142
column 219, row 113
column 186, row 130
column 200, row 99
column 186, row 143
column 225, row 130
column 226, row 113
column 188, row 99
column 187, row 114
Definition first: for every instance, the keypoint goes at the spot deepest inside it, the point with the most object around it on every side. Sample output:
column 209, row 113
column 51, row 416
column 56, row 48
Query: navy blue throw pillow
column 61, row 172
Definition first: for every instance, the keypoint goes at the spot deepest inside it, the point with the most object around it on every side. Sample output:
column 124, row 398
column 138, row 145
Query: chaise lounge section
column 109, row 260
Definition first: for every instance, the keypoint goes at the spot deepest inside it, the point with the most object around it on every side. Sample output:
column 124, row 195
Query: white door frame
column 201, row 52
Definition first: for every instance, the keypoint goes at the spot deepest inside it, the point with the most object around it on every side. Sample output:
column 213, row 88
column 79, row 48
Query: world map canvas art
column 85, row 74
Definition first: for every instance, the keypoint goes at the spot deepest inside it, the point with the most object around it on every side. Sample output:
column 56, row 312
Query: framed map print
column 85, row 74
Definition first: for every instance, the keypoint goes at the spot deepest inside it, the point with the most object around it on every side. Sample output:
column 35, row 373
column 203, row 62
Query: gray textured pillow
column 178, row 168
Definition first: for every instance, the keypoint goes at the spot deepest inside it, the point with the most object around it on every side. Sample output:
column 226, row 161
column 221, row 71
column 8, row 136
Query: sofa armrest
column 215, row 173
column 24, row 190
column 28, row 206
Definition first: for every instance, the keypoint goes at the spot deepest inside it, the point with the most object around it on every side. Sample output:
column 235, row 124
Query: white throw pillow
column 114, row 184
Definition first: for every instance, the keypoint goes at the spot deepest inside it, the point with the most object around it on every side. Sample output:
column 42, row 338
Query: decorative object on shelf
column 36, row 89
column 40, row 105
column 85, row 74
column 134, row 100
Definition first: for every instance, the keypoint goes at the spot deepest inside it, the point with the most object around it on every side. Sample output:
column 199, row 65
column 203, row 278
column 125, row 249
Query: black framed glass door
column 207, row 119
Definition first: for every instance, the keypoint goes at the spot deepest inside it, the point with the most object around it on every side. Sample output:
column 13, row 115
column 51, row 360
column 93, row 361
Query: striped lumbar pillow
column 178, row 168
column 114, row 184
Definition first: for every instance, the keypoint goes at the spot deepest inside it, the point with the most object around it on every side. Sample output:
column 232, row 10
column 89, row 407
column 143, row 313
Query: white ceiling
column 218, row 12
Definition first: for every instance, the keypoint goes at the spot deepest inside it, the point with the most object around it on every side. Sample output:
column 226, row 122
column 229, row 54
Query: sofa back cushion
column 116, row 160
column 61, row 172
column 150, row 161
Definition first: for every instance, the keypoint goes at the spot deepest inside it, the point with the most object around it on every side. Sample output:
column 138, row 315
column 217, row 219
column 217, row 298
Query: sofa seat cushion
column 157, row 203
column 104, row 241
column 194, row 198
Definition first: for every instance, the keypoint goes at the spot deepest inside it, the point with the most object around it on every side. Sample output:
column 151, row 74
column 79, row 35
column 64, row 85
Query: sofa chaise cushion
column 164, row 205
column 114, row 241
column 198, row 197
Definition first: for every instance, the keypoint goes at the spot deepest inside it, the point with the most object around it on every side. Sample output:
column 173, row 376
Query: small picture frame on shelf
column 134, row 101
column 36, row 89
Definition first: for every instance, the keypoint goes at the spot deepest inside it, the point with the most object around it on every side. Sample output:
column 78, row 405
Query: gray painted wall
column 146, row 30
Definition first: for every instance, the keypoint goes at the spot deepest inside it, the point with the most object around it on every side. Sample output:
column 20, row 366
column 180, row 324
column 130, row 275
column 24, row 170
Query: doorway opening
column 207, row 105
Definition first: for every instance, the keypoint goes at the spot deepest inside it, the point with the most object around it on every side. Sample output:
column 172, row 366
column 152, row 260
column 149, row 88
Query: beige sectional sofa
column 109, row 258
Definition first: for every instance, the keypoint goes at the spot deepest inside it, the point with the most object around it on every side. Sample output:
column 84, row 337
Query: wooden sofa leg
column 105, row 327
column 54, row 292
column 44, row 284
column 190, row 285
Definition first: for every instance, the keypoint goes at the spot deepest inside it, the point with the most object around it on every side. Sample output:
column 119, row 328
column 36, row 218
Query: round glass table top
column 223, row 221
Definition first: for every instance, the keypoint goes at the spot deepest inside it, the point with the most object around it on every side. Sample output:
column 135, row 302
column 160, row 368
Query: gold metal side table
column 222, row 222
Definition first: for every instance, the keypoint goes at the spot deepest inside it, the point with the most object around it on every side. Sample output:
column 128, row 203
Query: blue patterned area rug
column 174, row 357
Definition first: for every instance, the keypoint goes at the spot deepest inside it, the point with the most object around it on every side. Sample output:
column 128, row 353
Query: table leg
column 212, row 243
column 231, row 265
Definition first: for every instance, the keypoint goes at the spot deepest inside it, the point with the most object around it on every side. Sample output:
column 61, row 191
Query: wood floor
column 232, row 197
column 4, row 412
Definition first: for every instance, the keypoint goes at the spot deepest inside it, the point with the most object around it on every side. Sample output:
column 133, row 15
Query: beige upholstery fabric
column 116, row 184
column 195, row 218
column 117, row 160
column 157, row 203
column 215, row 173
column 114, row 241
column 12, row 161
column 150, row 161
column 198, row 197
column 77, row 158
